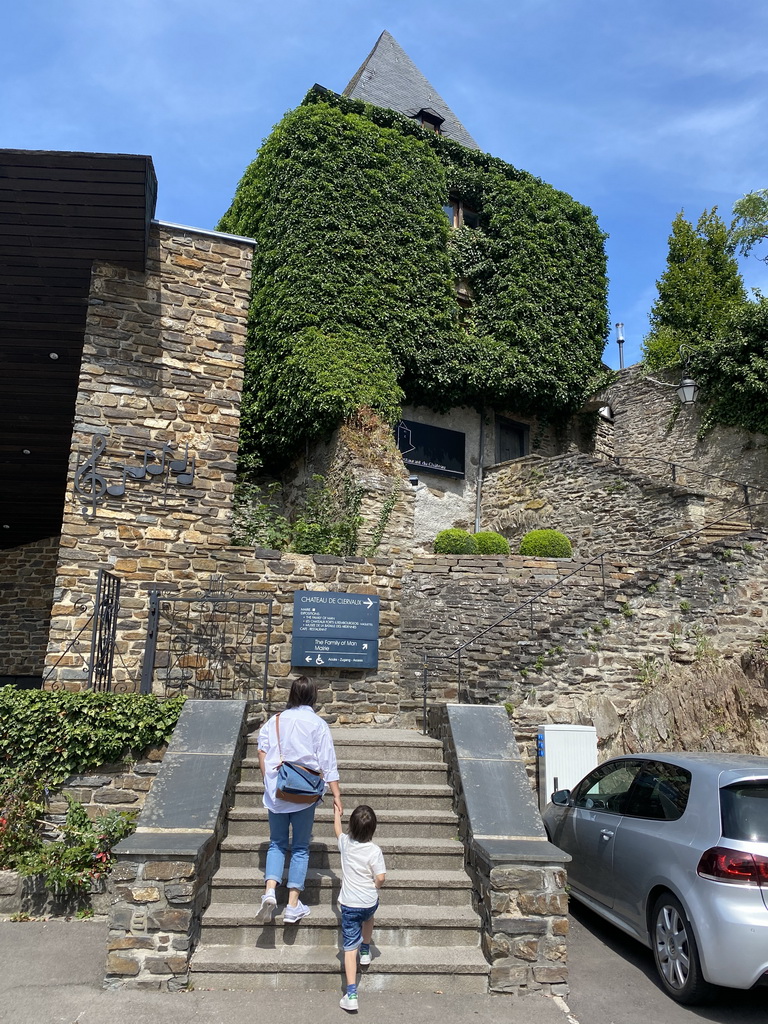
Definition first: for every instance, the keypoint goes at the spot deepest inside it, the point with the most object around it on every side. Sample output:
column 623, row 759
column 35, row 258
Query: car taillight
column 724, row 865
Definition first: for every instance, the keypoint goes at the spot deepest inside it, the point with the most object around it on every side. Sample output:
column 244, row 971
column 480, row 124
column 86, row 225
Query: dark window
column 606, row 788
column 511, row 440
column 431, row 120
column 660, row 792
column 460, row 215
column 744, row 808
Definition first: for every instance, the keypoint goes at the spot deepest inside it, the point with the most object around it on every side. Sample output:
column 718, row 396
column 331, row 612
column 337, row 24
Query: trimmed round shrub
column 455, row 542
column 546, row 544
column 490, row 543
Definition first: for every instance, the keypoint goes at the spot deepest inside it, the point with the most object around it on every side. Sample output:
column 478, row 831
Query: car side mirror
column 561, row 797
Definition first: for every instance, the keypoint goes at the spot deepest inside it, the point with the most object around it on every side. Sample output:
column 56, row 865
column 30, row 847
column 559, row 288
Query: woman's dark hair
column 303, row 691
column 362, row 823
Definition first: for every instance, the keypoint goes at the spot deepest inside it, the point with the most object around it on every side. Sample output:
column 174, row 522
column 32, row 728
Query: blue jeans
column 300, row 822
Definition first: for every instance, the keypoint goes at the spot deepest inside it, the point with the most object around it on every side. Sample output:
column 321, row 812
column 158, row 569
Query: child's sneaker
column 294, row 914
column 365, row 957
column 348, row 1003
column 267, row 908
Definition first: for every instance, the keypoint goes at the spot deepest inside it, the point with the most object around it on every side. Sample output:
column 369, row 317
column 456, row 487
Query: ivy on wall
column 52, row 734
column 354, row 300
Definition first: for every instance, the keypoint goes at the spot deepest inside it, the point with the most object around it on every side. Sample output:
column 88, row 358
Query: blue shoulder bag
column 296, row 783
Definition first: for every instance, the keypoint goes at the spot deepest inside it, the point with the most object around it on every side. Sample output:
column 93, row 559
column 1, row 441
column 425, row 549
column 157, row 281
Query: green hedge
column 354, row 298
column 546, row 544
column 490, row 543
column 51, row 735
column 455, row 542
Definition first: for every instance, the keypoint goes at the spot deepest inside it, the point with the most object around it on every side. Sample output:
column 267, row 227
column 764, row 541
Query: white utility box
column 564, row 755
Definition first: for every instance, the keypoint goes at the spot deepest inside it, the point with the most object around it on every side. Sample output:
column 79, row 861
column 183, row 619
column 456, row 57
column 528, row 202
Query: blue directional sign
column 342, row 630
column 315, row 652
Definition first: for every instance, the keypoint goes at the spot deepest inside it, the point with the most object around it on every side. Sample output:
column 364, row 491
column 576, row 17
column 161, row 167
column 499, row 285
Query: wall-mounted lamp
column 413, row 480
column 687, row 390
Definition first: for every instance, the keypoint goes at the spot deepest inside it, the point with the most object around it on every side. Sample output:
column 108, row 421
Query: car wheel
column 675, row 952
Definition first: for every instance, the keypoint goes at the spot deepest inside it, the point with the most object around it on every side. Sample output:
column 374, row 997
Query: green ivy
column 354, row 301
column 50, row 735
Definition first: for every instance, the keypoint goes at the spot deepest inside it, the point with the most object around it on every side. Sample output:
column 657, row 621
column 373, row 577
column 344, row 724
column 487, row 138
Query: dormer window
column 460, row 215
column 430, row 119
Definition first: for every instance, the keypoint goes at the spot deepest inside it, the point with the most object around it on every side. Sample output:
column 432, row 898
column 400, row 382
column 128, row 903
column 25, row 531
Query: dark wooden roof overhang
column 58, row 213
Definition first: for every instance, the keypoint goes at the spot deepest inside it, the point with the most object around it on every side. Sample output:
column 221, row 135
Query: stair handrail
column 610, row 553
column 743, row 485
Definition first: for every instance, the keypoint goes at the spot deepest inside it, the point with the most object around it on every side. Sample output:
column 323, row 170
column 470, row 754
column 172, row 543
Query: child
column 362, row 875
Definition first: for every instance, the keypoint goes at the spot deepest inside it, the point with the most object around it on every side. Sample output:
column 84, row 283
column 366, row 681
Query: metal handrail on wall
column 529, row 604
column 674, row 467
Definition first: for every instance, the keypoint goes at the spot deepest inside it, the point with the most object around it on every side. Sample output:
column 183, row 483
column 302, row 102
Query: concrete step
column 438, row 888
column 450, row 969
column 376, row 772
column 399, row 854
column 391, row 824
column 377, row 745
column 234, row 924
column 381, row 796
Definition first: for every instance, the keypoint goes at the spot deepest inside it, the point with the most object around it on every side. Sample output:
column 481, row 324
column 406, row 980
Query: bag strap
column 277, row 728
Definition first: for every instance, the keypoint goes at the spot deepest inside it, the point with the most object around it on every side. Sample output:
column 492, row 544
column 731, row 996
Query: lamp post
column 620, row 342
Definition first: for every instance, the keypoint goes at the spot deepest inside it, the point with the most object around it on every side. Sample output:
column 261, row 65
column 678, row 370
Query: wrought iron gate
column 214, row 645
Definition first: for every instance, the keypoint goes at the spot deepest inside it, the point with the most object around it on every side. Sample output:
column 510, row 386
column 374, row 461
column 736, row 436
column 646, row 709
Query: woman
column 303, row 738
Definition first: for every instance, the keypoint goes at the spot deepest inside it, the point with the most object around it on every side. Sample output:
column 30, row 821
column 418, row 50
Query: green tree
column 699, row 287
column 733, row 369
column 750, row 224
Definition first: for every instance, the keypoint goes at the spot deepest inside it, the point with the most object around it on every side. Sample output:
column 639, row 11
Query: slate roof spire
column 389, row 78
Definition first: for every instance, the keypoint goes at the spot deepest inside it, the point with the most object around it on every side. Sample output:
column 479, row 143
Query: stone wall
column 651, row 425
column 27, row 576
column 448, row 599
column 154, row 445
column 579, row 654
column 598, row 505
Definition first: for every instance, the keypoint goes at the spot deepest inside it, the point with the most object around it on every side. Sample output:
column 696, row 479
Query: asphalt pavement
column 51, row 973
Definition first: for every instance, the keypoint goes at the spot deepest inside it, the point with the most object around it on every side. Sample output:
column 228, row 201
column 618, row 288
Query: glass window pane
column 744, row 809
column 606, row 788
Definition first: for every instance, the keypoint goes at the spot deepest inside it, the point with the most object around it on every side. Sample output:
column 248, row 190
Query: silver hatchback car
column 673, row 849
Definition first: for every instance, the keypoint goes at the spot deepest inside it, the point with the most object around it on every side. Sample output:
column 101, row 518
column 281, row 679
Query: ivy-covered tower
column 397, row 264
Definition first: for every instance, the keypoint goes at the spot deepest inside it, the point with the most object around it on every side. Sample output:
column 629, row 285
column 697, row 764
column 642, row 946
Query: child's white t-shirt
column 360, row 863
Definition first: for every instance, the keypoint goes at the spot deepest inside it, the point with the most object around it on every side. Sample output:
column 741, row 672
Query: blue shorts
column 352, row 924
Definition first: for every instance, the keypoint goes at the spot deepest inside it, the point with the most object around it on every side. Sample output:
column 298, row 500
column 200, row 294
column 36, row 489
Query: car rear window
column 744, row 811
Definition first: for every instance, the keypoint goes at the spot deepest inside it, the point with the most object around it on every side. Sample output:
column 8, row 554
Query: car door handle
column 606, row 834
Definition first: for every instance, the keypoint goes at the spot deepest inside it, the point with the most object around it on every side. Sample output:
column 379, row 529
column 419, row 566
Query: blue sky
column 638, row 108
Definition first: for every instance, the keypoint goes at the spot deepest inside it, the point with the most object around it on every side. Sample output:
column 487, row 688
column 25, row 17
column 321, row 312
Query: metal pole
column 148, row 665
column 94, row 631
column 424, row 687
column 479, row 486
column 458, row 677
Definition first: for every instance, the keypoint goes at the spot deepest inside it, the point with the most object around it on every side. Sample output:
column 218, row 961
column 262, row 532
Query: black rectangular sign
column 335, row 629
column 434, row 449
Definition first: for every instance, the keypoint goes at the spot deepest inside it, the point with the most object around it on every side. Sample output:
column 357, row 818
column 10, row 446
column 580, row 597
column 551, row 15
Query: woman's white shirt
column 304, row 738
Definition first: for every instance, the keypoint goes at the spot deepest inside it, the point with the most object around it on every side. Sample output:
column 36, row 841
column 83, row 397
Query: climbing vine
column 354, row 298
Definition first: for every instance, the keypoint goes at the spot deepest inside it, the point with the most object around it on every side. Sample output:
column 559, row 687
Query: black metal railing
column 679, row 473
column 211, row 645
column 527, row 607
column 102, row 623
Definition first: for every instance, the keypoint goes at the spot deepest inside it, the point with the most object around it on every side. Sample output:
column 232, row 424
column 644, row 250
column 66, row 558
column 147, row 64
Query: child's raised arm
column 337, row 819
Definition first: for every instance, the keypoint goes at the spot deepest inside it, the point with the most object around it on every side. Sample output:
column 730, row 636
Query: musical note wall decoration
column 92, row 487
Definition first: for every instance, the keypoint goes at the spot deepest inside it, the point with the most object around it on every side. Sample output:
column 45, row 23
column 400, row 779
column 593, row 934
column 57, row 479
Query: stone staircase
column 427, row 934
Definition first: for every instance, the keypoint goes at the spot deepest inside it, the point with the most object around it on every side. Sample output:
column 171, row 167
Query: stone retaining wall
column 27, row 576
column 650, row 425
column 598, row 505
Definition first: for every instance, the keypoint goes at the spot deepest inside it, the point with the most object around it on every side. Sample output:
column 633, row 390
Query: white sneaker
column 348, row 1003
column 294, row 914
column 365, row 958
column 267, row 908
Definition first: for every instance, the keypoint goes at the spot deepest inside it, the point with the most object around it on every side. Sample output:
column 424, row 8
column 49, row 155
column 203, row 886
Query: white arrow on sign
column 369, row 603
column 365, row 647
column 319, row 660
column 308, row 658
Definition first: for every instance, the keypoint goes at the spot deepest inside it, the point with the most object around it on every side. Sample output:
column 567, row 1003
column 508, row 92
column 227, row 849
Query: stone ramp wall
column 27, row 577
column 596, row 504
